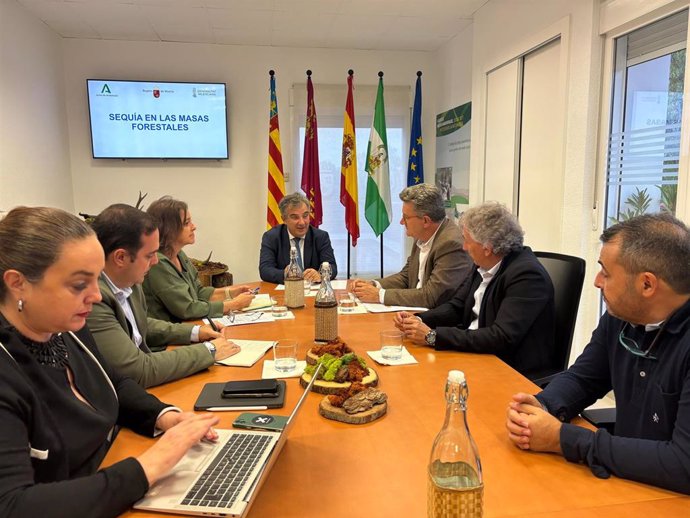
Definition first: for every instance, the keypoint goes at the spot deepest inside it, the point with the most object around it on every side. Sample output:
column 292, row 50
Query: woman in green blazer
column 172, row 287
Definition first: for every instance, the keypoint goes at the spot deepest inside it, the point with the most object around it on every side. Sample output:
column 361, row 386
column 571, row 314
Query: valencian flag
column 377, row 208
column 276, row 179
column 415, row 164
column 311, row 184
column 348, row 168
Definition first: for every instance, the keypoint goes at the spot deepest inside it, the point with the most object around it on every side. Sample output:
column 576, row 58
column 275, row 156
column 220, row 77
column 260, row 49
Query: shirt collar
column 488, row 274
column 120, row 293
column 427, row 244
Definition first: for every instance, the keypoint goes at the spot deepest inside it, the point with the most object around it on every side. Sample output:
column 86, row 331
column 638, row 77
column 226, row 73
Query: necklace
column 52, row 353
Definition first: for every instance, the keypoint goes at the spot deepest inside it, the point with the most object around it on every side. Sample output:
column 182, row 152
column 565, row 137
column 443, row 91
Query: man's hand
column 225, row 348
column 530, row 427
column 365, row 291
column 312, row 275
column 206, row 332
column 415, row 330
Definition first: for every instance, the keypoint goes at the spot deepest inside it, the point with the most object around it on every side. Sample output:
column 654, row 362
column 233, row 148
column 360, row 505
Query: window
column 647, row 104
column 330, row 107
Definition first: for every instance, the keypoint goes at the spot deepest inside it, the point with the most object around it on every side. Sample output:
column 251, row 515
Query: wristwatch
column 430, row 338
column 211, row 348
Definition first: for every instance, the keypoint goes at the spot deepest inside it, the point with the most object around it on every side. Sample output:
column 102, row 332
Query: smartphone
column 252, row 421
column 250, row 388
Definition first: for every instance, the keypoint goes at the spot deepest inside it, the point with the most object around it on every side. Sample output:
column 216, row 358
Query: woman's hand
column 183, row 431
column 241, row 301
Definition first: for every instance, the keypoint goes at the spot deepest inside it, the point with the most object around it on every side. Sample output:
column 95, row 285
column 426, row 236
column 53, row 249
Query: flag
column 348, row 168
column 377, row 208
column 276, row 179
column 311, row 184
column 415, row 164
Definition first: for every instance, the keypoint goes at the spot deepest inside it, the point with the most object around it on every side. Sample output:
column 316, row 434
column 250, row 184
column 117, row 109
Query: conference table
column 330, row 469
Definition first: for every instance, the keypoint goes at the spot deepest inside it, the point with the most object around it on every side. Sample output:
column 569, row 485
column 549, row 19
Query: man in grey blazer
column 119, row 323
column 437, row 265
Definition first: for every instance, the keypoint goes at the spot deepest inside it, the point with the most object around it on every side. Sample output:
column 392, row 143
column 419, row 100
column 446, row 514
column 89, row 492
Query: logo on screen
column 105, row 89
column 156, row 93
column 193, row 92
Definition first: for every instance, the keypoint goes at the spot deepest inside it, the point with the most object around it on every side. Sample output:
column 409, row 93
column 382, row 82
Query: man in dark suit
column 506, row 307
column 124, row 334
column 437, row 264
column 313, row 245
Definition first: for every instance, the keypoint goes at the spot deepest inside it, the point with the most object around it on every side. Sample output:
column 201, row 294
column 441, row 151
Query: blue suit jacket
column 275, row 252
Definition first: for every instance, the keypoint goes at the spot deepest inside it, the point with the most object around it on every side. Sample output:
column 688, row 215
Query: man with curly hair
column 505, row 306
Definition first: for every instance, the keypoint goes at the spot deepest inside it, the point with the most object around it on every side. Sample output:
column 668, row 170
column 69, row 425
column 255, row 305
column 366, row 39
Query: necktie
column 299, row 252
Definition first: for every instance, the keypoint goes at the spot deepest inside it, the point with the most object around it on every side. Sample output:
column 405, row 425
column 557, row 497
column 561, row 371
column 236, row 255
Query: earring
column 20, row 305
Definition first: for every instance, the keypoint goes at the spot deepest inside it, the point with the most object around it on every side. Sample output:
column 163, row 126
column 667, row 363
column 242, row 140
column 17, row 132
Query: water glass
column 285, row 355
column 391, row 344
column 347, row 302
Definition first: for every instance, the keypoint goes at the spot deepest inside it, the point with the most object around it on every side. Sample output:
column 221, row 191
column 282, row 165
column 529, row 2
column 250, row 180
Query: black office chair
column 567, row 275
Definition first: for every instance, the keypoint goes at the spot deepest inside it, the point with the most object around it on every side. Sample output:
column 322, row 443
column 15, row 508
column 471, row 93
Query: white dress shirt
column 487, row 275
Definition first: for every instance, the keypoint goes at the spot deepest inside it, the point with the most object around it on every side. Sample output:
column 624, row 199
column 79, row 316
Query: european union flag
column 415, row 164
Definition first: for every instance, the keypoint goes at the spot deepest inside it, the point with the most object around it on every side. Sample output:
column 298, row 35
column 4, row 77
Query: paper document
column 251, row 352
column 239, row 319
column 382, row 308
column 260, row 301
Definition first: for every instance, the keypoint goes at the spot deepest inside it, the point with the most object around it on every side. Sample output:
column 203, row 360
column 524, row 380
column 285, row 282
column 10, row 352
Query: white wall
column 227, row 198
column 502, row 30
column 34, row 154
column 454, row 77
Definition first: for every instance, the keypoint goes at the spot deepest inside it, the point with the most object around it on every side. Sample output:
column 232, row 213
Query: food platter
column 331, row 387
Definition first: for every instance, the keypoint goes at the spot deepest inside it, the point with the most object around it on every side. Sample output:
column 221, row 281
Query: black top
column 652, row 434
column 516, row 316
column 275, row 252
column 48, row 435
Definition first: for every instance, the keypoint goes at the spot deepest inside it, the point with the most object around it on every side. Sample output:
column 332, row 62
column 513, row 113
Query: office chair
column 567, row 275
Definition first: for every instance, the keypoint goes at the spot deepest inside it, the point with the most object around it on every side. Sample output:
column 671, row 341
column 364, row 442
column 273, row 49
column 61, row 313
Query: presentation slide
column 133, row 119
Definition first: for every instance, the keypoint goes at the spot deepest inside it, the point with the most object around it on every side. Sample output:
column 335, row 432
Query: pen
column 234, row 408
column 213, row 325
column 254, row 291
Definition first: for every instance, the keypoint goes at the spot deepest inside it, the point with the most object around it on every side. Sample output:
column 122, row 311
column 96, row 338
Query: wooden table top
column 331, row 469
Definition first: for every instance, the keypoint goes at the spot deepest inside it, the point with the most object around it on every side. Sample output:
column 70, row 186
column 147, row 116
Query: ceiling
column 421, row 25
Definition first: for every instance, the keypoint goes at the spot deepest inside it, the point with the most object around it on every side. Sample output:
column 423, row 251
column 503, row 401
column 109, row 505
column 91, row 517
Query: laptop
column 221, row 478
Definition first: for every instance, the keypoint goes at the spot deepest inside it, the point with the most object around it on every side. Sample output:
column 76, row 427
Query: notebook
column 245, row 457
column 250, row 352
column 210, row 399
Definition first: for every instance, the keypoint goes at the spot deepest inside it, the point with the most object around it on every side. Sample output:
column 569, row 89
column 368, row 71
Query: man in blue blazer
column 313, row 245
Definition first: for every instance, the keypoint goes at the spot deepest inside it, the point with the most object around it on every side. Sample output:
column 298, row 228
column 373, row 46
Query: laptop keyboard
column 224, row 478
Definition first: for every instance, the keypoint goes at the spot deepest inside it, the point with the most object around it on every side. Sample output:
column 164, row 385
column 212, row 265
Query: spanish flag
column 348, row 168
column 276, row 179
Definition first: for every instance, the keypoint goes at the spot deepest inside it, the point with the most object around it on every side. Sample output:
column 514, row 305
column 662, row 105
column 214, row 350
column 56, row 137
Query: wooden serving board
column 311, row 358
column 331, row 387
column 338, row 414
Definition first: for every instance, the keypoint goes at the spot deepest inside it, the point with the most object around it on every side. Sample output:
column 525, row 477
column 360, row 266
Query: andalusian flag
column 415, row 163
column 348, row 168
column 276, row 179
column 377, row 208
column 311, row 183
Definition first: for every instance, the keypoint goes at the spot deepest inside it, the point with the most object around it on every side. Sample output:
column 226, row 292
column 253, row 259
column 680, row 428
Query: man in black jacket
column 313, row 245
column 506, row 307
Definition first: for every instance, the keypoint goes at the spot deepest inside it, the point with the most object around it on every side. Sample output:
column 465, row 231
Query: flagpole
column 381, row 236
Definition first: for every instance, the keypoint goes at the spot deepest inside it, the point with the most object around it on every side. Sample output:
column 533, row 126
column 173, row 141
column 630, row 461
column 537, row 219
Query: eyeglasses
column 633, row 347
column 243, row 317
column 405, row 217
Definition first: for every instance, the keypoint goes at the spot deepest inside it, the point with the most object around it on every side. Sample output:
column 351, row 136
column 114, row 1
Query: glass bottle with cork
column 455, row 484
column 325, row 308
column 294, row 282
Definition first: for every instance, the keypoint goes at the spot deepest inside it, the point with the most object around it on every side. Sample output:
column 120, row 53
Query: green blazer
column 112, row 333
column 177, row 296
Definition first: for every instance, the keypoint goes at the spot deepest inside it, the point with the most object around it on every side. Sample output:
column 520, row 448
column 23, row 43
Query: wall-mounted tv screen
column 141, row 119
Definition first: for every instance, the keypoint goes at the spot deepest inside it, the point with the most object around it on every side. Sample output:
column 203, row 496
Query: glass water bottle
column 294, row 282
column 455, row 486
column 325, row 308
